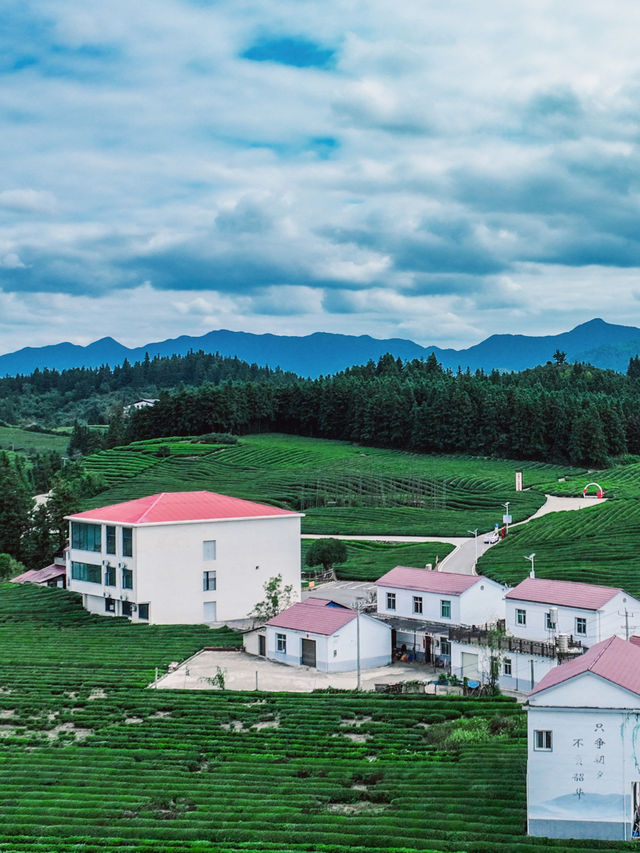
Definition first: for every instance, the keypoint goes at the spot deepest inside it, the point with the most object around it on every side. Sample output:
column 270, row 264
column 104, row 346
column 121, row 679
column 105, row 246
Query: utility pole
column 531, row 558
column 506, row 506
column 358, row 604
column 475, row 536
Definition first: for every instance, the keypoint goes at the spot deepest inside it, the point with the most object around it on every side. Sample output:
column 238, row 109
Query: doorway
column 262, row 645
column 308, row 652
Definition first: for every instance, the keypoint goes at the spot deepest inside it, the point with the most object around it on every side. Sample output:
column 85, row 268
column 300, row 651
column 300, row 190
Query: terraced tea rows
column 89, row 760
column 341, row 488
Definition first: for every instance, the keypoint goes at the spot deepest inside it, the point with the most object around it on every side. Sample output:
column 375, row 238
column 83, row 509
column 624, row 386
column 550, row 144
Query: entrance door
column 209, row 610
column 470, row 666
column 308, row 652
column 262, row 645
column 427, row 648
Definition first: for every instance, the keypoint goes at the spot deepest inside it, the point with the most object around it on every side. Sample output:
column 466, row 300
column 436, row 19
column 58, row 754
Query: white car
column 491, row 538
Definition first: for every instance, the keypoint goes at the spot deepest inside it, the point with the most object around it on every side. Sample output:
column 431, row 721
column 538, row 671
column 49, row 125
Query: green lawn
column 91, row 760
column 13, row 438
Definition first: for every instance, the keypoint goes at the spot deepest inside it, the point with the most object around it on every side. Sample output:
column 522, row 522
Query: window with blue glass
column 86, row 537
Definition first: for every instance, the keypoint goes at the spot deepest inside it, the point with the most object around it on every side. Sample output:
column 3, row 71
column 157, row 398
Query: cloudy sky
column 426, row 169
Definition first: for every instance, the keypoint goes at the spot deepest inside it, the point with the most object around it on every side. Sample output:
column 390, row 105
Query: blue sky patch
column 298, row 52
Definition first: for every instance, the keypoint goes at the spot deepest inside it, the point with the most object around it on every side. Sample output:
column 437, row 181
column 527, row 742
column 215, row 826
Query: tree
column 15, row 508
column 326, row 553
column 277, row 598
column 559, row 357
column 10, row 567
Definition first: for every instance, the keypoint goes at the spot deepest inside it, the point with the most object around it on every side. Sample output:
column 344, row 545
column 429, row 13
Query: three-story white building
column 181, row 557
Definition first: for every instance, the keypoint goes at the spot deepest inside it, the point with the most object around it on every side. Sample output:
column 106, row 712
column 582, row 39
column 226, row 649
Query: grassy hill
column 91, row 760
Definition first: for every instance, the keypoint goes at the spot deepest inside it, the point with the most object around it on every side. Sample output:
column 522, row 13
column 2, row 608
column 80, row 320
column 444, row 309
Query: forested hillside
column 558, row 412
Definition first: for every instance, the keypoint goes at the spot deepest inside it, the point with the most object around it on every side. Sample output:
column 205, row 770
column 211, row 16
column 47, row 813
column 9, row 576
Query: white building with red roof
column 583, row 770
column 325, row 635
column 421, row 605
column 181, row 557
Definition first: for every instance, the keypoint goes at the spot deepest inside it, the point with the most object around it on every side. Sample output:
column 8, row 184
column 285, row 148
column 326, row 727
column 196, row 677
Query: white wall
column 431, row 608
column 601, row 624
column 482, row 603
column 168, row 566
column 582, row 787
column 520, row 677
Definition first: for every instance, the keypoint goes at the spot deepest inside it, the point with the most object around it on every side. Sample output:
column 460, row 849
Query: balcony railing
column 483, row 637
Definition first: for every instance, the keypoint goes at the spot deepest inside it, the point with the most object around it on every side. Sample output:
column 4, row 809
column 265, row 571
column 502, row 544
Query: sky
column 439, row 171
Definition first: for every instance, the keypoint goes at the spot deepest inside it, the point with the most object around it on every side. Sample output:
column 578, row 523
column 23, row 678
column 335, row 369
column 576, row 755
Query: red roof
column 41, row 575
column 586, row 596
column 614, row 659
column 424, row 580
column 168, row 507
column 314, row 615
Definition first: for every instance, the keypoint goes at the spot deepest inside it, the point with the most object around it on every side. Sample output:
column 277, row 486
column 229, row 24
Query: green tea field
column 367, row 561
column 92, row 760
column 341, row 488
column 24, row 440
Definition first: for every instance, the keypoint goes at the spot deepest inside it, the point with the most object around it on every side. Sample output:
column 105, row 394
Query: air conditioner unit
column 134, row 606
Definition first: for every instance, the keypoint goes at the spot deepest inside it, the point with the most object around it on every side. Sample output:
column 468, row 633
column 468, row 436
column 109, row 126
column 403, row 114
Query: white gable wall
column 482, row 603
column 582, row 786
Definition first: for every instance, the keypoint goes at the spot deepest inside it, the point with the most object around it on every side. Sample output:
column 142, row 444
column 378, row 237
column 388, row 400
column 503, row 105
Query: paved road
column 463, row 558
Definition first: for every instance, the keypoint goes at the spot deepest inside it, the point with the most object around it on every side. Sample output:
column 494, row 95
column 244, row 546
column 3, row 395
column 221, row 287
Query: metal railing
column 483, row 637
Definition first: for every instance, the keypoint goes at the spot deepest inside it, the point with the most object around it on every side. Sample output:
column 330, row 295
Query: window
column 86, row 572
column 126, row 608
column 127, row 542
column 281, row 643
column 507, row 666
column 109, row 605
column 391, row 601
column 209, row 549
column 109, row 575
column 549, row 624
column 208, row 581
column 127, row 579
column 581, row 625
column 143, row 611
column 86, row 537
column 542, row 740
column 521, row 617
column 417, row 604
column 445, row 646
column 111, row 540
column 445, row 609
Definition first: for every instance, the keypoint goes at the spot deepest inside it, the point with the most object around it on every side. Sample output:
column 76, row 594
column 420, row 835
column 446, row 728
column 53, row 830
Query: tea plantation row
column 91, row 760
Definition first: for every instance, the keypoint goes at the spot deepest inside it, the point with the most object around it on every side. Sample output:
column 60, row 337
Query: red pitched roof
column 451, row 583
column 314, row 615
column 41, row 575
column 170, row 507
column 586, row 596
column 614, row 659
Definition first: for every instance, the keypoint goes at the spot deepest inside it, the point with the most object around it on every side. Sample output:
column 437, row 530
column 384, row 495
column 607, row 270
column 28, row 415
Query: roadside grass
column 24, row 440
column 90, row 760
column 367, row 561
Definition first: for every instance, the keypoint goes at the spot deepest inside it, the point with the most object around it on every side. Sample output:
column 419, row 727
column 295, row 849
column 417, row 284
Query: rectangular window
column 111, row 539
column 209, row 549
column 109, row 575
column 445, row 646
column 391, row 601
column 581, row 625
column 143, row 612
column 86, row 572
column 126, row 608
column 86, row 537
column 417, row 604
column 208, row 581
column 521, row 617
column 127, row 542
column 110, row 605
column 281, row 643
column 445, row 609
column 127, row 579
column 507, row 666
column 542, row 740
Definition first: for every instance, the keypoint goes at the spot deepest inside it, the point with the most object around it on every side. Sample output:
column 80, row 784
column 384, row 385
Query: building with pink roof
column 325, row 635
column 583, row 769
column 181, row 557
column 422, row 605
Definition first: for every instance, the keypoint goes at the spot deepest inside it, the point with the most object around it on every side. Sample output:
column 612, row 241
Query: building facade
column 181, row 557
column 583, row 768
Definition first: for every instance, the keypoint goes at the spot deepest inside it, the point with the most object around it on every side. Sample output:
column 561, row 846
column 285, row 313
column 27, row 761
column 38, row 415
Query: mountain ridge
column 323, row 353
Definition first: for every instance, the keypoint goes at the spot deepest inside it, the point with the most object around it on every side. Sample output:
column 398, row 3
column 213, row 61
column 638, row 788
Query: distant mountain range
column 596, row 342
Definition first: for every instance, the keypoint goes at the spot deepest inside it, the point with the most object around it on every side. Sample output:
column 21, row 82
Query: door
column 262, row 645
column 308, row 652
column 470, row 666
column 427, row 648
column 210, row 611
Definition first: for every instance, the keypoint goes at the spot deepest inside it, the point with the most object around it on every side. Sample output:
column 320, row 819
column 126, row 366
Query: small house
column 583, row 767
column 325, row 635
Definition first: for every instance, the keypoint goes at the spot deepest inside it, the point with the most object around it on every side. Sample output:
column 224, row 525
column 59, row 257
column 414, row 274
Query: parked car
column 492, row 538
